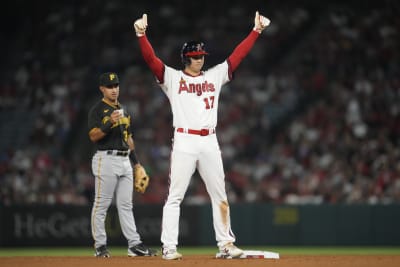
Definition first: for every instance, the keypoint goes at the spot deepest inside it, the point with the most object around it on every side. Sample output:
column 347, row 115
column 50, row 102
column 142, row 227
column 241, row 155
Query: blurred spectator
column 320, row 99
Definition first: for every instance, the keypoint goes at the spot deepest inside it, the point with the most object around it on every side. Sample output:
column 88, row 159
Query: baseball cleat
column 141, row 250
column 229, row 251
column 171, row 254
column 102, row 252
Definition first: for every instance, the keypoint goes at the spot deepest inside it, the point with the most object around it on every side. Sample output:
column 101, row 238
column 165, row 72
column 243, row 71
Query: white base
column 257, row 254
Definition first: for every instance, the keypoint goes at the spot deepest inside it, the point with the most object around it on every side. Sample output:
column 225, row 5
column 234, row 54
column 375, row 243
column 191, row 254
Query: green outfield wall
column 253, row 224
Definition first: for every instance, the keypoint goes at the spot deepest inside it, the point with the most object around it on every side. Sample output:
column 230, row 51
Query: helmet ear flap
column 185, row 60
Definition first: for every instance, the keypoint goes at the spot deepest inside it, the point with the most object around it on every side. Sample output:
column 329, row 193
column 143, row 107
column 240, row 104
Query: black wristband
column 106, row 128
column 133, row 158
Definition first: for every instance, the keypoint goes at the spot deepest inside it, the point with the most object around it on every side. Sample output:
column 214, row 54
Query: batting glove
column 140, row 25
column 260, row 22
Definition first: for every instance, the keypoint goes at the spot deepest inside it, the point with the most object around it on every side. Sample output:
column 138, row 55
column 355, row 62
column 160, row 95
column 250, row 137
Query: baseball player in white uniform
column 193, row 95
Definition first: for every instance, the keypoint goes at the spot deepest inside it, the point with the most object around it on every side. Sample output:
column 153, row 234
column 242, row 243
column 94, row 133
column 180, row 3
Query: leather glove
column 141, row 178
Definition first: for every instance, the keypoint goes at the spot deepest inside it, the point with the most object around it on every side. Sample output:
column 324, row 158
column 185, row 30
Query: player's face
column 110, row 92
column 196, row 63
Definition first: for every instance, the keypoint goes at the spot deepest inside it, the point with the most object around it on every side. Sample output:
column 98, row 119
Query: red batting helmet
column 192, row 48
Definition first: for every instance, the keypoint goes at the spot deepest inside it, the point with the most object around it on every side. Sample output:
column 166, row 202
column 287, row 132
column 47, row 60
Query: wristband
column 133, row 158
column 257, row 30
column 106, row 128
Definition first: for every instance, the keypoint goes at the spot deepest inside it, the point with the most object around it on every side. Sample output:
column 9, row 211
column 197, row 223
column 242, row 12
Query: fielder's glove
column 260, row 22
column 141, row 178
column 140, row 25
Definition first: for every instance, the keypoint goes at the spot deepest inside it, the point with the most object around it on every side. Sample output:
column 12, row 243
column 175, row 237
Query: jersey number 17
column 209, row 102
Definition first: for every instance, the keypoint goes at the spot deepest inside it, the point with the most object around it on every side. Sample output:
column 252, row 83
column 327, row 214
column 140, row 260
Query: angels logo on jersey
column 197, row 88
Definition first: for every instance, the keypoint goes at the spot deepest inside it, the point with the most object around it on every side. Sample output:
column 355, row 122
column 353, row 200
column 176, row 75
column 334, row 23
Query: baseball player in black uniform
column 110, row 130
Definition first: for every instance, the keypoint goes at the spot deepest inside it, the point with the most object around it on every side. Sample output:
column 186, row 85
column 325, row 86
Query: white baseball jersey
column 194, row 100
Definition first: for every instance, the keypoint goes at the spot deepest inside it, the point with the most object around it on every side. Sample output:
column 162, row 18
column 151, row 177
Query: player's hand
column 140, row 25
column 115, row 116
column 260, row 22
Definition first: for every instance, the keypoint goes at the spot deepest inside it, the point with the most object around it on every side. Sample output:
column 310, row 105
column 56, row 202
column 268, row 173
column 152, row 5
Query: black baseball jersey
column 117, row 138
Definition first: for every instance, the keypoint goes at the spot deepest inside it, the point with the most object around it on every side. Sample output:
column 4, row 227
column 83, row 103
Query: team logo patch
column 112, row 76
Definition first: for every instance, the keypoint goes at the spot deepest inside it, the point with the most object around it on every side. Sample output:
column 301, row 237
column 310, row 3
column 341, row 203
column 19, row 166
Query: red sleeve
column 242, row 50
column 154, row 63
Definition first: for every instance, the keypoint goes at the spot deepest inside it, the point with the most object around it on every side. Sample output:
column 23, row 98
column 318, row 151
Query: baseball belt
column 201, row 132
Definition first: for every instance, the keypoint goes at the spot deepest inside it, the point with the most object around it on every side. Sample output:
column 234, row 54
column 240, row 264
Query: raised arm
column 241, row 51
column 154, row 63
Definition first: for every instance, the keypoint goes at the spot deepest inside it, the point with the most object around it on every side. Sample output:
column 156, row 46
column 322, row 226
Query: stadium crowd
column 313, row 116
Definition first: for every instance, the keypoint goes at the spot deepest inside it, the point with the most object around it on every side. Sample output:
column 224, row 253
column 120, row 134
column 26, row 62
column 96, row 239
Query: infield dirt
column 205, row 261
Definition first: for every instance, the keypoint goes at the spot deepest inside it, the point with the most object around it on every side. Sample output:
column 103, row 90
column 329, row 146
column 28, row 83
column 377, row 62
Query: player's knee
column 125, row 205
column 174, row 200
